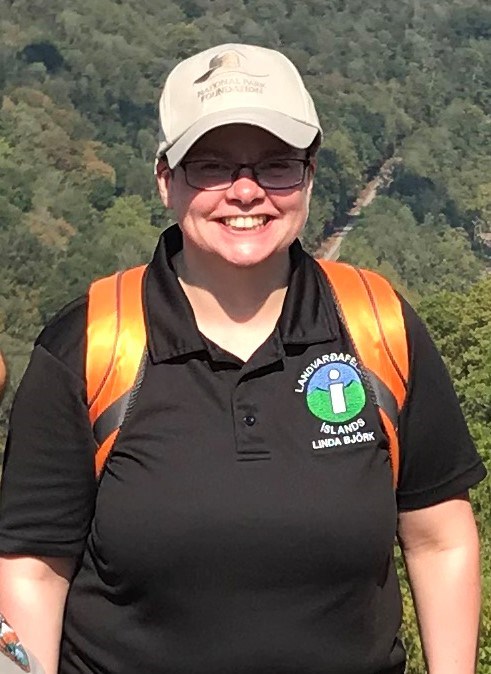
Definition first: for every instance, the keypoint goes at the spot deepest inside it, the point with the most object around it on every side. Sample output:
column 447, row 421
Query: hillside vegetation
column 79, row 84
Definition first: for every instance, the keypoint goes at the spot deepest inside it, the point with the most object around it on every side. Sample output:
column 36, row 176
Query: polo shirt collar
column 308, row 315
column 171, row 327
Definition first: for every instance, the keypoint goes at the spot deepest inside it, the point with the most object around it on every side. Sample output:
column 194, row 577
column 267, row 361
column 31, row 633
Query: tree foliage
column 460, row 324
column 418, row 258
column 79, row 83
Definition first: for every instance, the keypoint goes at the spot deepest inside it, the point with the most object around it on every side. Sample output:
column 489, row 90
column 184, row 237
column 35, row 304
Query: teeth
column 246, row 222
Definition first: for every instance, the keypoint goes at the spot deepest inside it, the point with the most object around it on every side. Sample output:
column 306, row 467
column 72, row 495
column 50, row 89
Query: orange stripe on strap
column 102, row 329
column 116, row 339
column 393, row 327
column 365, row 307
column 372, row 315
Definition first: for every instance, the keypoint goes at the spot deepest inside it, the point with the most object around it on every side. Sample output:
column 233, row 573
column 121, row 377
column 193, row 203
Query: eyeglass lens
column 277, row 173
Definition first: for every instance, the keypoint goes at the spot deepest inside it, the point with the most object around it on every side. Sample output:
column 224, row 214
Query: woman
column 219, row 539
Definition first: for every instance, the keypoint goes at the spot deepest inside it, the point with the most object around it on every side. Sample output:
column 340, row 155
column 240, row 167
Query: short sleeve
column 438, row 456
column 48, row 484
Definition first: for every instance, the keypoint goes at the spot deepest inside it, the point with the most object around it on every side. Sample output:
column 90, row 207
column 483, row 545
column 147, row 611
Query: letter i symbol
column 336, row 390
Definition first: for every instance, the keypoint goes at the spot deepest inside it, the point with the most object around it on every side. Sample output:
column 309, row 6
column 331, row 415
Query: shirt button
column 249, row 420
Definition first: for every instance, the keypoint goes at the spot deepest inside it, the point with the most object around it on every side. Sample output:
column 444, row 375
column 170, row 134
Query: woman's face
column 244, row 224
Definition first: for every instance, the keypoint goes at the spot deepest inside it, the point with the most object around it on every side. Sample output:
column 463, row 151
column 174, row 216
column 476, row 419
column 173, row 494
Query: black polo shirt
column 246, row 517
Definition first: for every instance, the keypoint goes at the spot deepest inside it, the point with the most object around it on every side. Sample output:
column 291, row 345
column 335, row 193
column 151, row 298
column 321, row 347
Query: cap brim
column 291, row 131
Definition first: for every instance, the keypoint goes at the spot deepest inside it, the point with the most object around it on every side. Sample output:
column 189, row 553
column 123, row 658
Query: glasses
column 273, row 174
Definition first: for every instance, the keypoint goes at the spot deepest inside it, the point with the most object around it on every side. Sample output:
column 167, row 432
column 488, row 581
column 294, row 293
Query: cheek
column 198, row 206
column 294, row 207
column 187, row 203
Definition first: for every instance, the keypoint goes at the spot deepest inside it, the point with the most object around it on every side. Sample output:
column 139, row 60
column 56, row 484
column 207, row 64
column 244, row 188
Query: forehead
column 241, row 142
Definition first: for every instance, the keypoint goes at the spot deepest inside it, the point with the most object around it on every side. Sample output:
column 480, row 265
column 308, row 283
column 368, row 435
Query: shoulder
column 420, row 344
column 438, row 456
column 65, row 335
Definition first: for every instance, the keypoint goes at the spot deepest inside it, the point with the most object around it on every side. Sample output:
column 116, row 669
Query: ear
column 163, row 175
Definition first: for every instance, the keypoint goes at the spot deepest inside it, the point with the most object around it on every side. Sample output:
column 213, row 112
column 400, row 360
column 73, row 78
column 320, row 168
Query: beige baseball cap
column 234, row 84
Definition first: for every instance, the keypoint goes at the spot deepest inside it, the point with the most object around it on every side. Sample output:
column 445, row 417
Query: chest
column 218, row 464
column 238, row 342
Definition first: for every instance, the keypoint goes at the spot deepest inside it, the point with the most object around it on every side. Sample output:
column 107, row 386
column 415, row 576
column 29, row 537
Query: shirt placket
column 249, row 420
column 250, row 401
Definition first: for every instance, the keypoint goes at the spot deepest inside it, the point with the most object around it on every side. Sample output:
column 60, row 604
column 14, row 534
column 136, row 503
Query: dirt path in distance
column 329, row 248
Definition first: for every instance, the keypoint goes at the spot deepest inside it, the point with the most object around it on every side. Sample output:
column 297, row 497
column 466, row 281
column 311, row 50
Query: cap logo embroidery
column 228, row 60
column 233, row 76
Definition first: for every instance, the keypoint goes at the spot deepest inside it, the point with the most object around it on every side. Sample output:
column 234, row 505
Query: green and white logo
column 335, row 393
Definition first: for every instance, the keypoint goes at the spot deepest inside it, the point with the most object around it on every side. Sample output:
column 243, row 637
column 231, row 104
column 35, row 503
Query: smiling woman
column 241, row 514
column 235, row 219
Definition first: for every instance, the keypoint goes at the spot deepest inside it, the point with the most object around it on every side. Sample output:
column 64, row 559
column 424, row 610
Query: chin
column 248, row 257
column 243, row 261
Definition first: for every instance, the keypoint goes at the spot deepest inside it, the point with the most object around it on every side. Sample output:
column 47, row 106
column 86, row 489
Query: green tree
column 424, row 257
column 124, row 238
column 460, row 324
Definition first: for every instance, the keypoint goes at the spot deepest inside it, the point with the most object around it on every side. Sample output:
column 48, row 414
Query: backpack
column 116, row 348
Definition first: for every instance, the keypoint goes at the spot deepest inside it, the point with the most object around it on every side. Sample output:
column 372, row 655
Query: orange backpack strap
column 371, row 313
column 116, row 349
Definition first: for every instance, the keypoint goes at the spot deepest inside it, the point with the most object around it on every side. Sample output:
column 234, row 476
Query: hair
column 314, row 146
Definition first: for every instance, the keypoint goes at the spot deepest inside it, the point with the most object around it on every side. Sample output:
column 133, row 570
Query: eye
column 275, row 165
column 212, row 166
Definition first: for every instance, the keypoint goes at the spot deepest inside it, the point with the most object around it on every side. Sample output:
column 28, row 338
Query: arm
column 3, row 376
column 48, row 488
column 441, row 551
column 32, row 597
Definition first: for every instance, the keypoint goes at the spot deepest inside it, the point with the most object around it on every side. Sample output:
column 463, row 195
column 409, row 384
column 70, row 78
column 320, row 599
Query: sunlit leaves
column 425, row 257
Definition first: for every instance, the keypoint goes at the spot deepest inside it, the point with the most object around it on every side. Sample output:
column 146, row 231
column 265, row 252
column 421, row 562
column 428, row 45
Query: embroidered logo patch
column 334, row 392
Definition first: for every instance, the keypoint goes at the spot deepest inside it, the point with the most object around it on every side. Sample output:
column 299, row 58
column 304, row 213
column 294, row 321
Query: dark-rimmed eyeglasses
column 216, row 174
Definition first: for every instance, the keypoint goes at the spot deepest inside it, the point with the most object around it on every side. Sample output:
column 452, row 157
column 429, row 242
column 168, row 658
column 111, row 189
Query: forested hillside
column 79, row 84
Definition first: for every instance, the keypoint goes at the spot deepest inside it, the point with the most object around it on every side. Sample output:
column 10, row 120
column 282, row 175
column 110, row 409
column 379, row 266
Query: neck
column 237, row 294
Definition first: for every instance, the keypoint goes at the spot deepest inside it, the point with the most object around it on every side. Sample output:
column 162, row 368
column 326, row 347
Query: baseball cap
column 234, row 84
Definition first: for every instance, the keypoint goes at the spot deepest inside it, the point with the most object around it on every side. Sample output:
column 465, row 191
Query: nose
column 245, row 188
